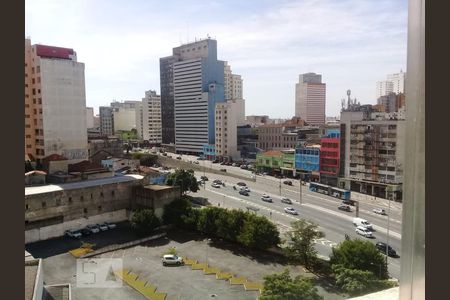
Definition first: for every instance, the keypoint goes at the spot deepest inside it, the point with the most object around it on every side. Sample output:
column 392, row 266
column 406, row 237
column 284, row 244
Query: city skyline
column 353, row 45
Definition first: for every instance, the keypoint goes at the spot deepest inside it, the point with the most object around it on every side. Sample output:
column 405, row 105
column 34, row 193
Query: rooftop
column 155, row 187
column 33, row 190
column 31, row 271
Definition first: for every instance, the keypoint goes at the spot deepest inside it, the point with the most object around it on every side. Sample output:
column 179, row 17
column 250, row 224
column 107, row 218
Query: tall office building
column 310, row 95
column 55, row 103
column 195, row 78
column 384, row 88
column 89, row 117
column 106, row 120
column 148, row 118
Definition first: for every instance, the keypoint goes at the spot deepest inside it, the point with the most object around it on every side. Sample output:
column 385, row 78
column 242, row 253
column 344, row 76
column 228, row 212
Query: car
column 169, row 156
column 204, row 178
column 286, row 200
column 195, row 162
column 164, row 154
column 241, row 183
column 76, row 234
column 348, row 202
column 218, row 181
column 265, row 173
column 223, row 170
column 287, row 182
column 344, row 207
column 245, row 188
column 290, row 210
column 233, row 164
column 266, row 198
column 103, row 227
column 244, row 167
column 200, row 158
column 215, row 161
column 170, row 259
column 93, row 228
column 178, row 157
column 215, row 185
column 362, row 222
column 364, row 232
column 379, row 211
column 85, row 231
column 110, row 225
column 382, row 247
column 243, row 192
column 223, row 163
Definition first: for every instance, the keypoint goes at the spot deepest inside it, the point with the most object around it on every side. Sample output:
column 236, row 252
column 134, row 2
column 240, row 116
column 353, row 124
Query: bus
column 330, row 191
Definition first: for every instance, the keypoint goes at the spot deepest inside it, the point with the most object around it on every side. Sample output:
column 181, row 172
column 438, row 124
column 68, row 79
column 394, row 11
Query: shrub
column 144, row 221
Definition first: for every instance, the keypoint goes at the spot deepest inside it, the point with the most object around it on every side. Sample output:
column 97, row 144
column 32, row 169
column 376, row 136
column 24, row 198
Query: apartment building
column 226, row 130
column 55, row 103
column 106, row 121
column 124, row 114
column 148, row 118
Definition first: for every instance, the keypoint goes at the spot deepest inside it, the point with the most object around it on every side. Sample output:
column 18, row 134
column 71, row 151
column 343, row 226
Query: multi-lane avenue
column 319, row 208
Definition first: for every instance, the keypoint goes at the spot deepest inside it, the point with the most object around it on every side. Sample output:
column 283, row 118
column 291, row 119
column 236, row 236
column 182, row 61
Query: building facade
column 310, row 98
column 330, row 157
column 106, row 121
column 167, row 99
column 55, row 103
column 124, row 114
column 395, row 83
column 89, row 117
column 384, row 88
column 307, row 162
column 226, row 130
column 374, row 153
column 148, row 118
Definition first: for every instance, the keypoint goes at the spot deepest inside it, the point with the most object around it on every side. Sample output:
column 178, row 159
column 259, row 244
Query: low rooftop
column 33, row 190
column 155, row 187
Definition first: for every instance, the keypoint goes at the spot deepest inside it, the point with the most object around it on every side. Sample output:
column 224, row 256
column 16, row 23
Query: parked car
column 382, row 247
column 103, row 227
column 344, row 207
column 266, row 198
column 170, row 259
column 223, row 170
column 215, row 185
column 243, row 192
column 93, row 228
column 241, row 183
column 204, row 178
column 223, row 163
column 379, row 211
column 215, row 161
column 364, row 231
column 200, row 158
column 86, row 231
column 178, row 157
column 287, row 182
column 362, row 222
column 76, row 234
column 290, row 210
column 218, row 181
column 110, row 225
column 244, row 167
column 195, row 162
column 164, row 154
column 286, row 200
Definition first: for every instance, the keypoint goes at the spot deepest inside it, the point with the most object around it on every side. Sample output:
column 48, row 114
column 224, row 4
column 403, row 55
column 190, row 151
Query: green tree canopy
column 144, row 221
column 175, row 210
column 360, row 255
column 185, row 179
column 258, row 232
column 301, row 242
column 282, row 286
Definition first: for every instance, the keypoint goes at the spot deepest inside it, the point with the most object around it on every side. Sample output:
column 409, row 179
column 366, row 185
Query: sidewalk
column 375, row 200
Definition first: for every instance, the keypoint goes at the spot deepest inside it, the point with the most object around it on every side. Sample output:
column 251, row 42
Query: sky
column 353, row 44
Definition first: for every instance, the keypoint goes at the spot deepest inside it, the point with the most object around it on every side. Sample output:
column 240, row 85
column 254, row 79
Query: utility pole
column 357, row 208
column 280, row 186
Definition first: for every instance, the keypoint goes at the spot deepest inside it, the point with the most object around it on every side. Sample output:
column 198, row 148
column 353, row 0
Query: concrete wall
column 47, row 232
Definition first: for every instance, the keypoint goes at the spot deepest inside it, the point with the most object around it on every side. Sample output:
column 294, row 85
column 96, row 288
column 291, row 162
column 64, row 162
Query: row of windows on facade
column 58, row 201
column 193, row 49
column 278, row 138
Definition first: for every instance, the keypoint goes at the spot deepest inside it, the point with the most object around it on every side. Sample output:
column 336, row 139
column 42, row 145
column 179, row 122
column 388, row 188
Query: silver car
column 170, row 259
column 93, row 228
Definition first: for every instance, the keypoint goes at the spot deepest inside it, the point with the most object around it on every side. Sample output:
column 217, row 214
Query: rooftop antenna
column 349, row 101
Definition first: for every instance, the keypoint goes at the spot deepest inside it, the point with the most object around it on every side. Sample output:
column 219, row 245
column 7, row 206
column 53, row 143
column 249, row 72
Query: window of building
column 113, row 193
column 81, row 198
column 92, row 196
column 34, row 93
column 85, row 210
column 38, row 69
column 70, row 199
column 99, row 208
column 44, row 204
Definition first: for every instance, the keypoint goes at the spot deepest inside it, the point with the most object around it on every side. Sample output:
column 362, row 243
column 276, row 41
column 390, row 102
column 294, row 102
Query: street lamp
column 206, row 250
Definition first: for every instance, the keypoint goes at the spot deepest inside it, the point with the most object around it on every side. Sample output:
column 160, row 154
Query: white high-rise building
column 234, row 91
column 55, row 103
column 124, row 114
column 226, row 129
column 395, row 83
column 310, row 98
column 89, row 117
column 148, row 118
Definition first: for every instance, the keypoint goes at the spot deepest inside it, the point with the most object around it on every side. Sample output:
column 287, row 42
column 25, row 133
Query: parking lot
column 177, row 282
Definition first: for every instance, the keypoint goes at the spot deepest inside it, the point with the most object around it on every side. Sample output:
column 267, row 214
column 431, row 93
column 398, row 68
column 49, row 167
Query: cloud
column 351, row 43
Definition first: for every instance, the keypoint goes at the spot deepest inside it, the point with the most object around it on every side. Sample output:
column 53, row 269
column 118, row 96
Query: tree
column 127, row 147
column 144, row 221
column 230, row 223
column 302, row 237
column 148, row 160
column 360, row 255
column 206, row 222
column 258, row 232
column 282, row 287
column 175, row 210
column 185, row 179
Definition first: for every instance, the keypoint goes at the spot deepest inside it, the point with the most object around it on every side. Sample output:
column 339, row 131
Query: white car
column 215, row 185
column 266, row 198
column 73, row 233
column 170, row 259
column 379, row 211
column 110, row 225
column 103, row 227
column 290, row 210
column 362, row 222
column 286, row 200
column 364, row 232
column 93, row 228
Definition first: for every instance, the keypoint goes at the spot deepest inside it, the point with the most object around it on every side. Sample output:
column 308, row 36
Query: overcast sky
column 352, row 44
